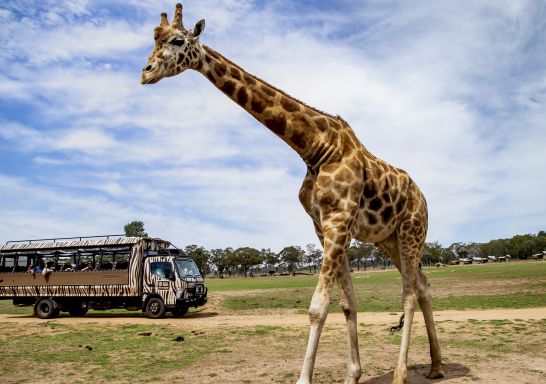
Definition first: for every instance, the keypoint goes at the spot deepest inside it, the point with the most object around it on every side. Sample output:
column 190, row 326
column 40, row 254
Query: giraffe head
column 176, row 48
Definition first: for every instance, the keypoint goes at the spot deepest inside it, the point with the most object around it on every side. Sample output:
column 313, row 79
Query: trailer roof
column 110, row 242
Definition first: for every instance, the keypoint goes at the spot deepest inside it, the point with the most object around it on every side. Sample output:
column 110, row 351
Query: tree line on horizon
column 248, row 261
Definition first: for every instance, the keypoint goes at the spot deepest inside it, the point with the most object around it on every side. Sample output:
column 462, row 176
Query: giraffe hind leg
column 410, row 301
column 415, row 289
column 348, row 304
column 389, row 247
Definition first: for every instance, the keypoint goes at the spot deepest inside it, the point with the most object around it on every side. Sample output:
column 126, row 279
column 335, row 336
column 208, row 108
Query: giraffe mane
column 273, row 87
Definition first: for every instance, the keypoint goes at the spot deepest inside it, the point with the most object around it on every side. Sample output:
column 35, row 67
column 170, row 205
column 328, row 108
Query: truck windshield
column 187, row 268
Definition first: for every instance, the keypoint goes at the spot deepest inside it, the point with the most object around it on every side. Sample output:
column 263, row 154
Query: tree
column 230, row 261
column 269, row 258
column 218, row 257
column 380, row 257
column 135, row 229
column 313, row 257
column 447, row 255
column 359, row 252
column 201, row 257
column 291, row 256
column 432, row 253
column 247, row 257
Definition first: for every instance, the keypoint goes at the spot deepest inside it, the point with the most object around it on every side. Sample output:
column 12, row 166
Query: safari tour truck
column 100, row 272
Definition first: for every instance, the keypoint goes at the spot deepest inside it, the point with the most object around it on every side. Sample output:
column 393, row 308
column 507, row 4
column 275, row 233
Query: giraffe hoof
column 351, row 380
column 436, row 374
column 399, row 376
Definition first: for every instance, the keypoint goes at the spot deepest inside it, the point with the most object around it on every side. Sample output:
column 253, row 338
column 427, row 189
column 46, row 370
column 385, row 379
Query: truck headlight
column 179, row 293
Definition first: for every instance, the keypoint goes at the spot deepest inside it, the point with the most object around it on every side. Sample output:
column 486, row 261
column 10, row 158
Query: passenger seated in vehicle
column 88, row 268
column 48, row 269
column 40, row 267
column 68, row 268
column 107, row 266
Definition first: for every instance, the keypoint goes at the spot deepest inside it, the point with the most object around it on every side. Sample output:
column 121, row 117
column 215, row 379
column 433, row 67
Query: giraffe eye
column 178, row 41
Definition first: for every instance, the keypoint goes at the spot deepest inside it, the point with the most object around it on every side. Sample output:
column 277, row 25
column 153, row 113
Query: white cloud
column 90, row 141
column 452, row 93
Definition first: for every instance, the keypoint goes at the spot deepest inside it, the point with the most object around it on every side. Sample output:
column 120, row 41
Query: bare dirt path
column 212, row 319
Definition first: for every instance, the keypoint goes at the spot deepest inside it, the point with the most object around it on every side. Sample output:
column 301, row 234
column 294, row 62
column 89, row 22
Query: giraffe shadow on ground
column 417, row 374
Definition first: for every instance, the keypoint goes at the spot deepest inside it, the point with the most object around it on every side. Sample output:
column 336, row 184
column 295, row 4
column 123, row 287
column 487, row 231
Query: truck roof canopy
column 81, row 242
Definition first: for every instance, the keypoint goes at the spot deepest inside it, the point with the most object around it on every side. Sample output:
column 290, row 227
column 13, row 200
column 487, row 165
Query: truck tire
column 155, row 308
column 46, row 308
column 179, row 311
column 78, row 309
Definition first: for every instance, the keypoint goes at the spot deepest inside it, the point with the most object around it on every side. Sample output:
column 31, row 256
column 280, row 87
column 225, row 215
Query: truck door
column 159, row 279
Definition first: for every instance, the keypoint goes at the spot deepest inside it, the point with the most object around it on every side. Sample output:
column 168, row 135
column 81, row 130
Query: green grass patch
column 77, row 349
column 519, row 285
column 251, row 283
column 511, row 300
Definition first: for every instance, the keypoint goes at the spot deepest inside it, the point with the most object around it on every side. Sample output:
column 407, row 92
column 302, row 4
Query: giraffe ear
column 198, row 29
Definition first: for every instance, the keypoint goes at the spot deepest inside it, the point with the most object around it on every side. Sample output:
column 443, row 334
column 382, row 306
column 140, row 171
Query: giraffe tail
column 396, row 328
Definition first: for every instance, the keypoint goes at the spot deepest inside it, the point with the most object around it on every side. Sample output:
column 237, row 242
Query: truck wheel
column 155, row 308
column 179, row 311
column 79, row 309
column 46, row 309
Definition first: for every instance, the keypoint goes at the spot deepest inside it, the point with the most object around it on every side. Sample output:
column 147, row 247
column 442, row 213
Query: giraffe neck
column 311, row 133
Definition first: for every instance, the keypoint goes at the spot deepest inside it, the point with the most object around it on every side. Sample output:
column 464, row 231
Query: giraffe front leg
column 318, row 311
column 335, row 250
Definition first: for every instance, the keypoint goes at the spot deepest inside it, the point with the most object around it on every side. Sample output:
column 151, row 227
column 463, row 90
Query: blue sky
column 454, row 92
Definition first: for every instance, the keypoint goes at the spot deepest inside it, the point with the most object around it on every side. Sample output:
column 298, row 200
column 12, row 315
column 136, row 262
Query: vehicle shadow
column 417, row 374
column 119, row 315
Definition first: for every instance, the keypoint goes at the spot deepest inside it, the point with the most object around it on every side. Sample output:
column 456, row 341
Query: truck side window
column 161, row 269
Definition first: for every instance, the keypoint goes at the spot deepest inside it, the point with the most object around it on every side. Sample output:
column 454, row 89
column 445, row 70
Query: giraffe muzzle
column 148, row 78
column 148, row 75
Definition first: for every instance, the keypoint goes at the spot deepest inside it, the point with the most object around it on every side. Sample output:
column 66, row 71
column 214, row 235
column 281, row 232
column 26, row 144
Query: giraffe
column 348, row 192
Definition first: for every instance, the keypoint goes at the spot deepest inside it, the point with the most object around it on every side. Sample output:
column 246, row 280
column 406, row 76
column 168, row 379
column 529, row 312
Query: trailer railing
column 55, row 239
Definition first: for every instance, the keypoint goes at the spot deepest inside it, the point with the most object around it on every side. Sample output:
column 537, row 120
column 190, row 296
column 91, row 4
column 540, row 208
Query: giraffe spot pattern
column 322, row 124
column 259, row 103
column 249, row 79
column 235, row 73
column 375, row 204
column 268, row 91
column 299, row 139
column 242, row 96
column 288, row 105
column 220, row 69
column 211, row 77
column 228, row 87
column 277, row 124
column 386, row 214
column 372, row 219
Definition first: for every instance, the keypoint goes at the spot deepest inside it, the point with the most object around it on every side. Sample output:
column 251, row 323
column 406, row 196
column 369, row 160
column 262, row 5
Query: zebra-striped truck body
column 122, row 272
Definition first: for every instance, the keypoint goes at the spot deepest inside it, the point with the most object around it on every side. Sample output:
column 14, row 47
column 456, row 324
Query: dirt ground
column 487, row 346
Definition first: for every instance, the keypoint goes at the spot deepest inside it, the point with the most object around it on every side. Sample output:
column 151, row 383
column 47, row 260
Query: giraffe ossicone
column 348, row 192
